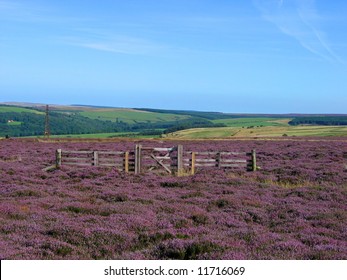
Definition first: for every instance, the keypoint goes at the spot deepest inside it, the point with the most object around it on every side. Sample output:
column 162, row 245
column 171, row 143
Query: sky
column 240, row 56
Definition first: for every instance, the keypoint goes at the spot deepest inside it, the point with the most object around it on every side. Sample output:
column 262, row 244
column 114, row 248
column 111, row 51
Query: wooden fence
column 168, row 160
column 222, row 160
column 123, row 161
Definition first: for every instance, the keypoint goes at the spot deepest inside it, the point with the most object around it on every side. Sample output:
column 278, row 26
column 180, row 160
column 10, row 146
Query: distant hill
column 219, row 115
column 22, row 120
column 23, row 104
column 28, row 119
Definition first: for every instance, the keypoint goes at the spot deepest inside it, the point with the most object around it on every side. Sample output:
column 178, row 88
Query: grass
column 205, row 133
column 236, row 127
column 246, row 122
column 130, row 116
column 266, row 131
column 9, row 109
column 228, row 132
column 14, row 123
column 105, row 135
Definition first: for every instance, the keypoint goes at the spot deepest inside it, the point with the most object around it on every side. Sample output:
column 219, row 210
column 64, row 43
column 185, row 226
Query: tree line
column 31, row 124
column 325, row 120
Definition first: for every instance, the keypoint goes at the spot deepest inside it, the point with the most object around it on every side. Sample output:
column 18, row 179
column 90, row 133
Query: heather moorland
column 293, row 207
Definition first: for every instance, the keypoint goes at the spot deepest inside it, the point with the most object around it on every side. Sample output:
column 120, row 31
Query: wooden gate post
column 254, row 161
column 192, row 164
column 179, row 160
column 138, row 159
column 58, row 158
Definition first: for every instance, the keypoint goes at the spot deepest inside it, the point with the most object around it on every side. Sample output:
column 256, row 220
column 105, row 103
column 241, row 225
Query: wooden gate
column 167, row 160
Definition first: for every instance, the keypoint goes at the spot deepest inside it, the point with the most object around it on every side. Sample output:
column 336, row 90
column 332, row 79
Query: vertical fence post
column 137, row 159
column 219, row 159
column 126, row 162
column 179, row 160
column 192, row 164
column 58, row 158
column 95, row 158
column 254, row 160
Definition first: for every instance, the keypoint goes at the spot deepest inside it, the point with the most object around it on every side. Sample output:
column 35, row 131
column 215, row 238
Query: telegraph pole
column 47, row 129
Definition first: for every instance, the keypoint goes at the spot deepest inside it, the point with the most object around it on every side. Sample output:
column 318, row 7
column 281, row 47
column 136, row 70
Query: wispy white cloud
column 79, row 31
column 115, row 44
column 300, row 20
column 18, row 11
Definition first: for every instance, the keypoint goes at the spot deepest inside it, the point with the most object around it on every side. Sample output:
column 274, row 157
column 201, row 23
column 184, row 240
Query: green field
column 104, row 135
column 9, row 109
column 246, row 122
column 142, row 123
column 230, row 132
column 14, row 123
column 267, row 131
column 130, row 116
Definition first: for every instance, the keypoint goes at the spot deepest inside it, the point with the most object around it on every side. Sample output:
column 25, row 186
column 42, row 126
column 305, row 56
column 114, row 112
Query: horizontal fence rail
column 123, row 161
column 169, row 160
column 198, row 160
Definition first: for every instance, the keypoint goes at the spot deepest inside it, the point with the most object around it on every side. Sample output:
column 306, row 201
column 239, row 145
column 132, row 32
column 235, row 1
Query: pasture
column 294, row 207
column 246, row 122
column 130, row 115
column 14, row 123
column 104, row 122
column 16, row 109
column 265, row 131
column 104, row 135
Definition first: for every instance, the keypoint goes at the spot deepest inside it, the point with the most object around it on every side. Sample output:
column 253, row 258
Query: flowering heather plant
column 293, row 207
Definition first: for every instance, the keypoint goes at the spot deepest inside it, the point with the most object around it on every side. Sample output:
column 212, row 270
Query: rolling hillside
column 246, row 122
column 126, row 115
column 266, row 131
column 131, row 116
column 83, row 120
column 16, row 109
column 24, row 119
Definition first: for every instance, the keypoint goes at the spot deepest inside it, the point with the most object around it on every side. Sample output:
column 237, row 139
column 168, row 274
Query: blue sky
column 240, row 56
